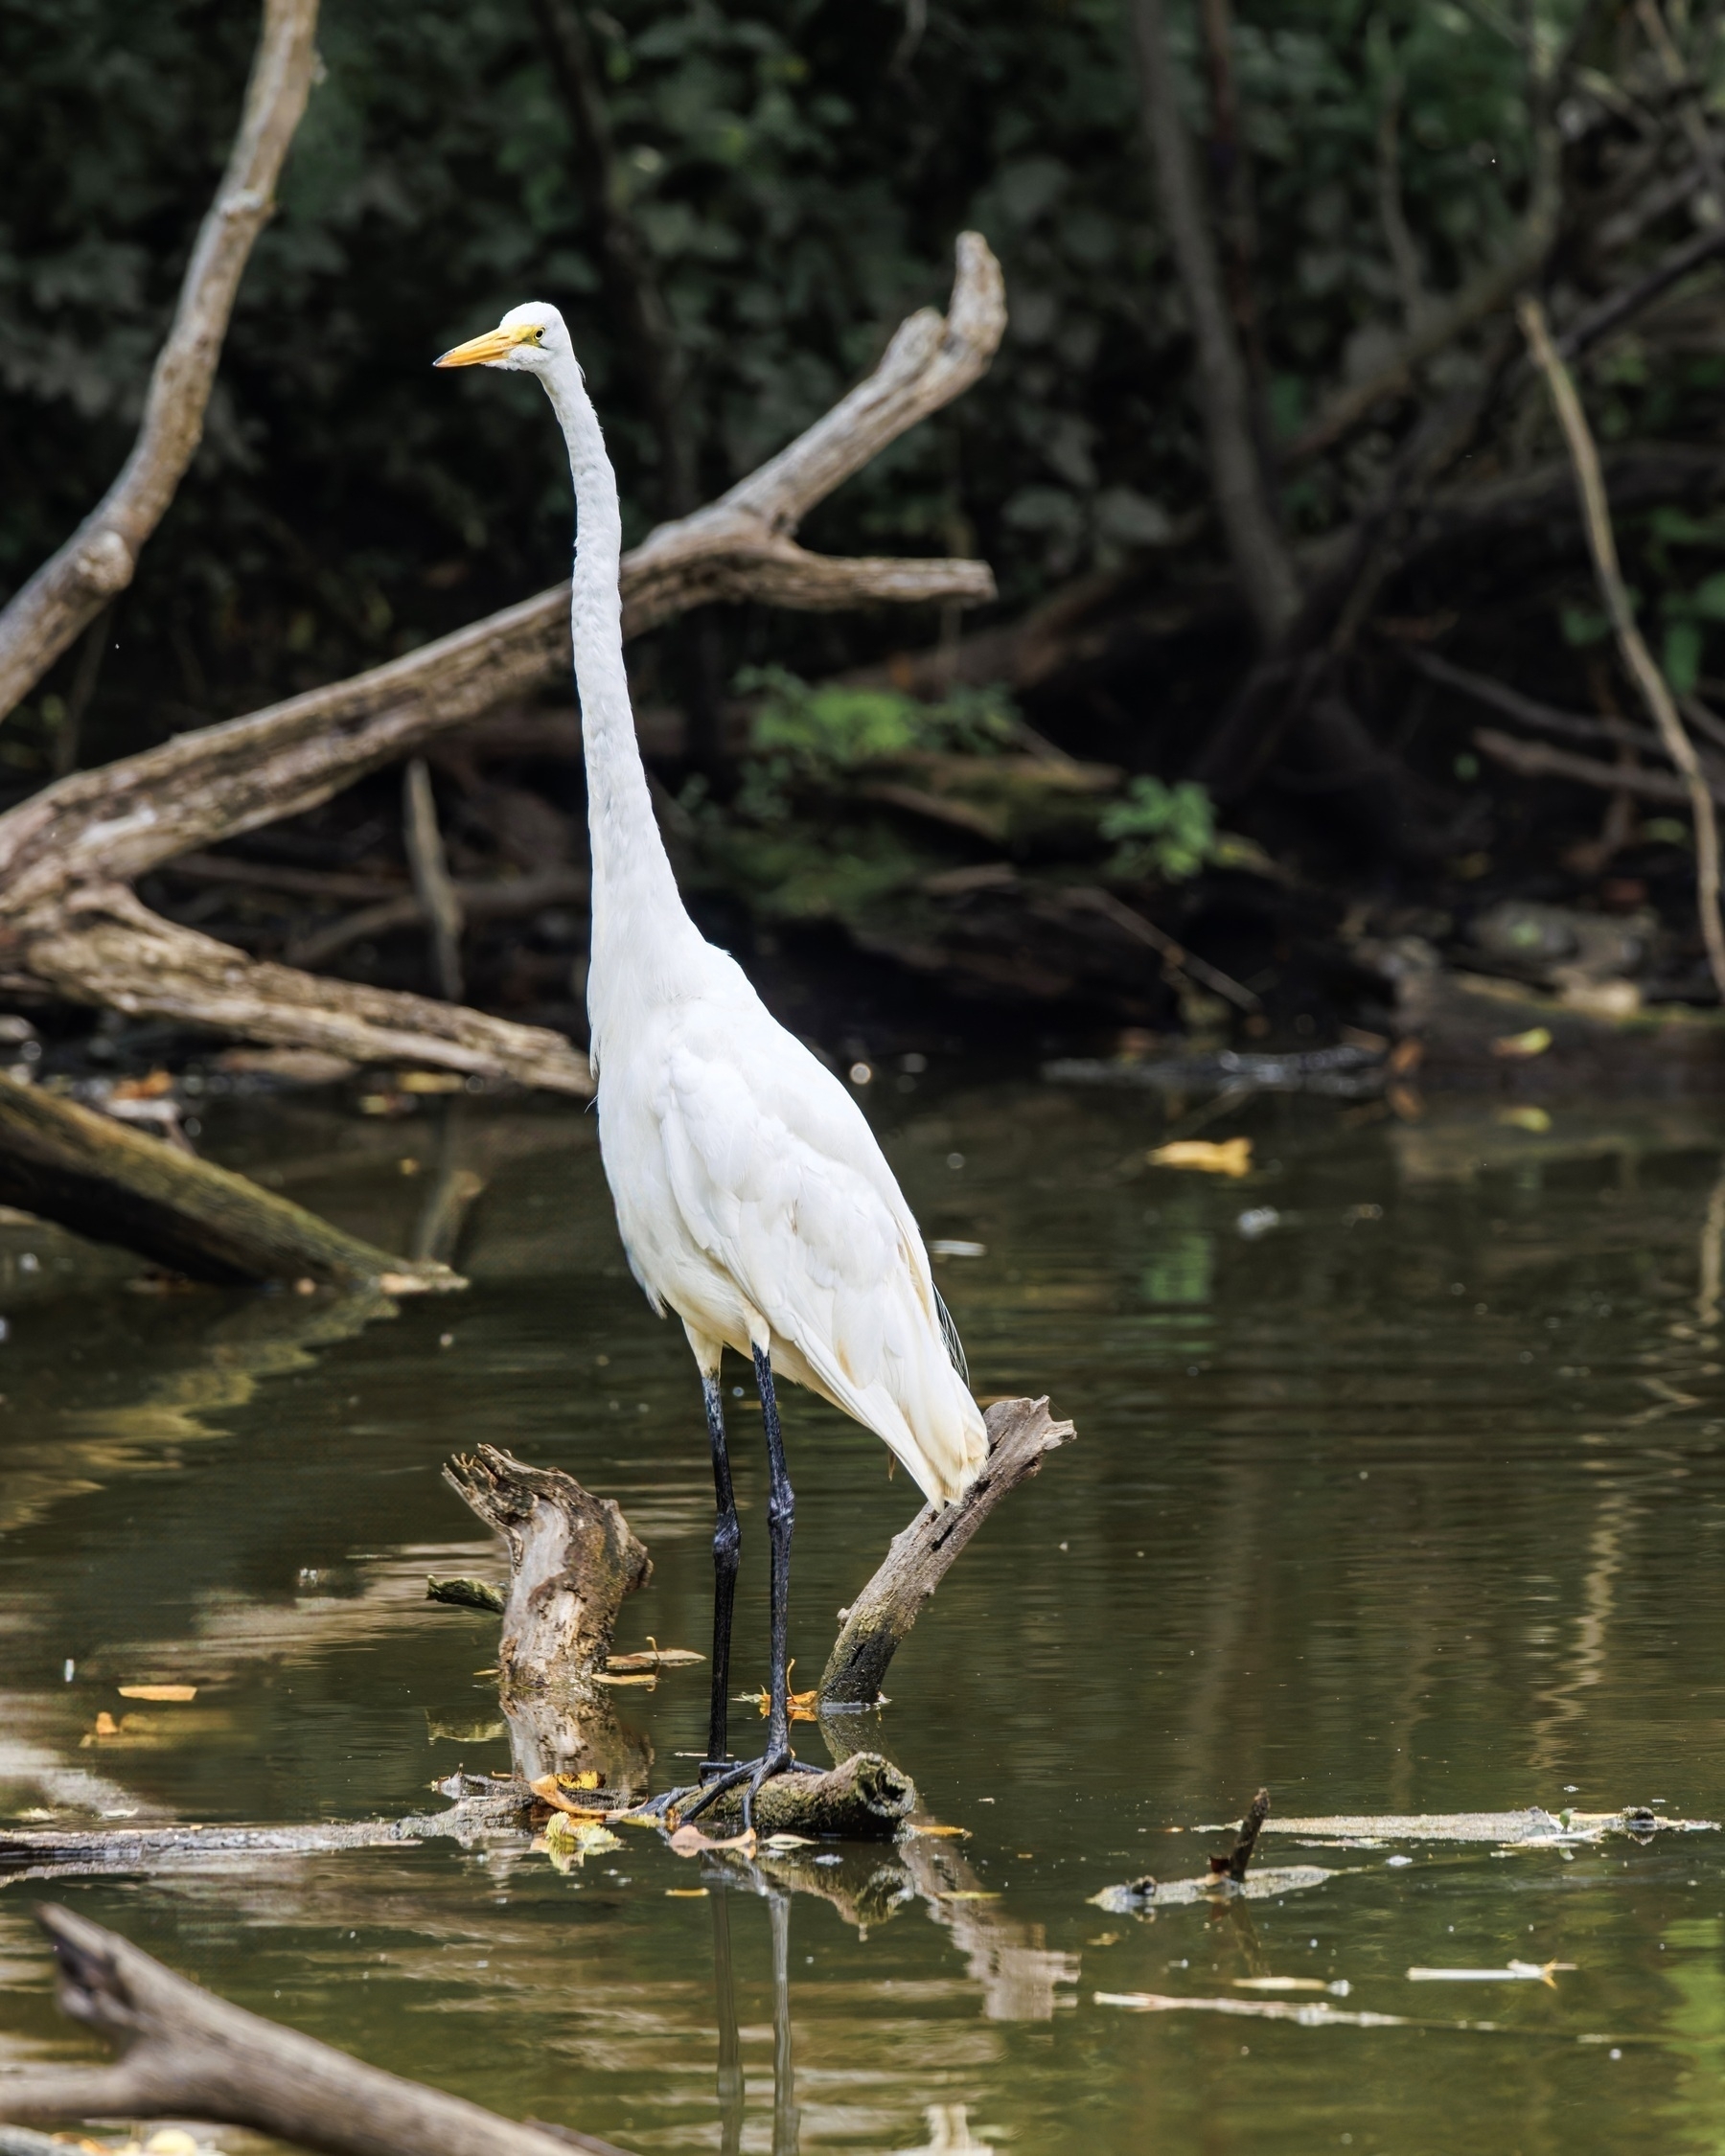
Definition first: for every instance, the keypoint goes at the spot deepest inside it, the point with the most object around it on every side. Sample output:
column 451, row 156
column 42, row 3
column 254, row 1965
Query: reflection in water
column 1367, row 1507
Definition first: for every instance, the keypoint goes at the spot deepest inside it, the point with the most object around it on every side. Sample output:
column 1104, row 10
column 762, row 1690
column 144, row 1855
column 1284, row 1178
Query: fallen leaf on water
column 929, row 1827
column 968, row 1893
column 690, row 1841
column 1318, row 2014
column 1231, row 1157
column 159, row 1692
column 788, row 1841
column 655, row 1656
column 632, row 1677
column 575, row 1840
column 1519, row 1046
column 1518, row 1972
column 1526, row 1117
column 1104, row 1938
column 804, row 1705
column 555, row 1790
column 685, row 1893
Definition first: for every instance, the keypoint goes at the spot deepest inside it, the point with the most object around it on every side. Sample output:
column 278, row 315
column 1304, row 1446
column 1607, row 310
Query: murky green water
column 1413, row 1500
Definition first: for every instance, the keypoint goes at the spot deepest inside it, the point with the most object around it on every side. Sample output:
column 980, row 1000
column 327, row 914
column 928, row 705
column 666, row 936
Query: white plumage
column 753, row 1198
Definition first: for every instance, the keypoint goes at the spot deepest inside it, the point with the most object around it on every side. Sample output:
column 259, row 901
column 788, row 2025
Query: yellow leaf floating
column 159, row 1692
column 1232, row 1156
column 1519, row 1046
column 561, row 1791
column 805, row 1706
column 968, row 1893
column 572, row 1841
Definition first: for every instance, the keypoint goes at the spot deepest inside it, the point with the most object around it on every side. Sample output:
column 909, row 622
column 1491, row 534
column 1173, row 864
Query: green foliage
column 836, row 727
column 1164, row 831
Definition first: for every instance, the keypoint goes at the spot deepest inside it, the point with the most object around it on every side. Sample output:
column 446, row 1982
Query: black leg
column 728, row 1538
column 781, row 1522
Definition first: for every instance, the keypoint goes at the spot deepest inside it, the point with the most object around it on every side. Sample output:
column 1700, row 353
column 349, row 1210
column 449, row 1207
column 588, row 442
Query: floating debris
column 1256, row 1221
column 1138, row 1896
column 1517, row 1972
column 1534, row 1829
column 1315, row 2015
column 652, row 1657
column 159, row 1692
column 570, row 1841
column 1340, row 1989
column 1347, row 1071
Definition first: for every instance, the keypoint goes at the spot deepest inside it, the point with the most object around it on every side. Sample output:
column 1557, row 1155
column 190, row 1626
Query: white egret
column 752, row 1196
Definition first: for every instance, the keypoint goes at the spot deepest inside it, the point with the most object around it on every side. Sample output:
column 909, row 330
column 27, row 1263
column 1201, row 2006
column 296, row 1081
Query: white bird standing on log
column 752, row 1196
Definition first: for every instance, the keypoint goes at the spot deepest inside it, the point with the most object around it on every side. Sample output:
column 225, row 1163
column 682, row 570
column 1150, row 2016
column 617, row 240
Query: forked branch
column 100, row 557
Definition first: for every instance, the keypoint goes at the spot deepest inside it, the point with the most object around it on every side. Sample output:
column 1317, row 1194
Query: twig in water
column 1637, row 660
column 1233, row 1864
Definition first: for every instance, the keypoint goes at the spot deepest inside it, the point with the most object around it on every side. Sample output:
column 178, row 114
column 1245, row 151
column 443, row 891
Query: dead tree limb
column 185, row 2053
column 1538, row 759
column 101, row 1178
column 431, row 883
column 1637, row 660
column 68, row 924
column 99, row 559
column 103, row 947
column 1021, row 1433
column 1222, row 385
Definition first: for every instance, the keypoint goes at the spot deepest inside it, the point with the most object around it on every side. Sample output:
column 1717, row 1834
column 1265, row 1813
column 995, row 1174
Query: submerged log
column 186, row 2054
column 101, row 1178
column 1021, row 1433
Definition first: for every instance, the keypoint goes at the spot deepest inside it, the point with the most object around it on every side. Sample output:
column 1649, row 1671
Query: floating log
column 94, row 1176
column 1021, row 1433
column 186, row 2054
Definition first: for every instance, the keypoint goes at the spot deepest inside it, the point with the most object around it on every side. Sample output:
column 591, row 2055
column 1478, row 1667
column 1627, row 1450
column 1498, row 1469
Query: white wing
column 779, row 1180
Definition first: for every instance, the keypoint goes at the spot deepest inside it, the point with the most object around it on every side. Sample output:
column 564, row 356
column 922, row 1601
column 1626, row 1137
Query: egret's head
column 527, row 339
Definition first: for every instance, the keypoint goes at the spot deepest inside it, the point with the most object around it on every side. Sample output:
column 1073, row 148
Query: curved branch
column 100, row 557
column 188, row 2055
column 200, row 788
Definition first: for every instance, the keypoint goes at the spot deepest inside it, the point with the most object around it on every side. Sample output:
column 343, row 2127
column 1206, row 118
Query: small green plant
column 1164, row 831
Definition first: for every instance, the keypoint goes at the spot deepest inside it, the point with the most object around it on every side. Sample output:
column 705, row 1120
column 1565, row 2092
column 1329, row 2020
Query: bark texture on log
column 867, row 1798
column 1021, row 1433
column 573, row 1560
column 186, row 2054
column 100, row 557
column 104, row 947
column 101, row 1178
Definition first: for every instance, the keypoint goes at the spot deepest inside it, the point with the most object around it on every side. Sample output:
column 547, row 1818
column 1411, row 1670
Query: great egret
column 752, row 1196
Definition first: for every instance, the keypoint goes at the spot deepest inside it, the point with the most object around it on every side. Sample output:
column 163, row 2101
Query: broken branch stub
column 1022, row 1433
column 186, row 2054
column 99, row 559
column 101, row 1178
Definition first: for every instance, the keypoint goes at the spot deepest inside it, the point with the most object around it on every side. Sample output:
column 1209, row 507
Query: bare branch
column 188, row 2054
column 100, row 557
column 1637, row 660
column 200, row 788
column 1261, row 556
column 436, row 894
column 1538, row 759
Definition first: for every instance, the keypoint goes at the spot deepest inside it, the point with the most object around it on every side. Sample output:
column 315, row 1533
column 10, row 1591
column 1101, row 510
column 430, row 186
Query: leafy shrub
column 1164, row 831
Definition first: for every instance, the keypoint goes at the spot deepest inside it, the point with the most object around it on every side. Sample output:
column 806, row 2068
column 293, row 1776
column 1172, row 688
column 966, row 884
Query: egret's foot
column 756, row 1773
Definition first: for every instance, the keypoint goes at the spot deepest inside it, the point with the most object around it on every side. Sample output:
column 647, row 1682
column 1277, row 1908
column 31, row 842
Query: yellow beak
column 493, row 344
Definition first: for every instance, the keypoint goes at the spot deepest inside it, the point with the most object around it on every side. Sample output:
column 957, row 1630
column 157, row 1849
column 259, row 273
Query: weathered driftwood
column 101, row 1178
column 69, row 924
column 573, row 1560
column 1534, row 1829
column 186, row 2054
column 99, row 559
column 1021, row 1433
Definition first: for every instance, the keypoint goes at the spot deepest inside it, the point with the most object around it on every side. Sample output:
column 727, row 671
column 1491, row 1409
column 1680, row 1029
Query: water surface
column 1403, row 1493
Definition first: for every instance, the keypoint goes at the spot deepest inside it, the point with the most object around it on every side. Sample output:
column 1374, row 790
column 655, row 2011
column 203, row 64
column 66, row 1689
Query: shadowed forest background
column 733, row 207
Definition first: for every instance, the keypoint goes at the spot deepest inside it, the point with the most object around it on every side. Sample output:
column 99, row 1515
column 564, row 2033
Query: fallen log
column 101, row 1178
column 186, row 2054
column 867, row 1798
column 1021, row 1433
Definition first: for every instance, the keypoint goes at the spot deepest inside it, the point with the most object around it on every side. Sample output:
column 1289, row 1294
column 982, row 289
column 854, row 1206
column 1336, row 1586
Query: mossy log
column 87, row 1172
column 866, row 1799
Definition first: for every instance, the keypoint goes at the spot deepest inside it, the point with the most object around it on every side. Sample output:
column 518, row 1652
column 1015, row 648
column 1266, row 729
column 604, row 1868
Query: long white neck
column 640, row 928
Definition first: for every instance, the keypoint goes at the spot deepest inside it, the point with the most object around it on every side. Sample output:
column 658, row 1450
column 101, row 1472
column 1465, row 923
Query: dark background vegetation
column 798, row 170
